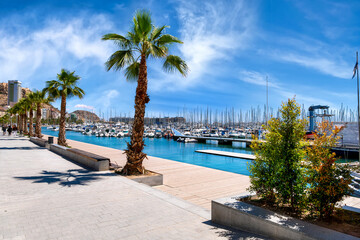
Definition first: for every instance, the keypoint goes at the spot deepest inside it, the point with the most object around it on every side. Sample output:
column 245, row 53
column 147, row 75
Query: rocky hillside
column 24, row 92
column 4, row 93
column 86, row 115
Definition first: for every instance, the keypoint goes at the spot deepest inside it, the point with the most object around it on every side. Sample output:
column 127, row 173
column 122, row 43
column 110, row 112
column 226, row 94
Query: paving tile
column 44, row 196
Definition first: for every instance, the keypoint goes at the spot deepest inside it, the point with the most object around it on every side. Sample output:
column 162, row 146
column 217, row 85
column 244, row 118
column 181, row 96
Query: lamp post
column 357, row 76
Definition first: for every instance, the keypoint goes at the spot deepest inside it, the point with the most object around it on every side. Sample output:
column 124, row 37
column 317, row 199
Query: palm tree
column 39, row 98
column 22, row 107
column 64, row 87
column 30, row 103
column 18, row 109
column 142, row 41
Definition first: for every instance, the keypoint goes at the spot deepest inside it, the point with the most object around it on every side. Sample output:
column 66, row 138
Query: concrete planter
column 152, row 180
column 231, row 212
column 87, row 159
column 39, row 141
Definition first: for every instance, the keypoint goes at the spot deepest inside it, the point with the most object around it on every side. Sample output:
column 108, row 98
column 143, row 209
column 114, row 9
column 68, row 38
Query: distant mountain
column 86, row 116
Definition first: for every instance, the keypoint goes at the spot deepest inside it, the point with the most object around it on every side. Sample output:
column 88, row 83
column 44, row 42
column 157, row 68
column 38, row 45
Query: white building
column 14, row 92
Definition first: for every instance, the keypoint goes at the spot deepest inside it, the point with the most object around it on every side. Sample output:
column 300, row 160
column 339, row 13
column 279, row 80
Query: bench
column 90, row 160
column 39, row 141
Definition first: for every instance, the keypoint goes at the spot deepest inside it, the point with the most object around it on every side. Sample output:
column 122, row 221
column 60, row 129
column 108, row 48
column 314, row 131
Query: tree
column 277, row 167
column 64, row 87
column 328, row 183
column 30, row 103
column 39, row 98
column 22, row 107
column 142, row 41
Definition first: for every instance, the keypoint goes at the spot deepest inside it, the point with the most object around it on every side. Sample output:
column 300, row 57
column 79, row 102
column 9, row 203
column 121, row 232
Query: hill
column 4, row 93
column 86, row 116
column 24, row 92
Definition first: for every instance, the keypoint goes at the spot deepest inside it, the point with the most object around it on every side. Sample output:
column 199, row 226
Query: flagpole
column 267, row 100
column 357, row 75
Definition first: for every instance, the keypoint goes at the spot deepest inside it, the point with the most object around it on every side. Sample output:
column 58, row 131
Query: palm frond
column 157, row 32
column 173, row 63
column 157, row 52
column 143, row 23
column 119, row 59
column 167, row 39
column 121, row 41
column 132, row 72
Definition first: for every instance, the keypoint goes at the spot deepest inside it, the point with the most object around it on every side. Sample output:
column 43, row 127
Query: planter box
column 150, row 180
column 87, row 159
column 231, row 212
column 39, row 141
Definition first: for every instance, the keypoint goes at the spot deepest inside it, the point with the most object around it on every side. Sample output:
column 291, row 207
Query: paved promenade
column 196, row 184
column 43, row 196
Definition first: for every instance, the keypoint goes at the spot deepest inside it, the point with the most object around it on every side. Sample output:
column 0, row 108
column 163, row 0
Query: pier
column 220, row 140
column 228, row 154
column 341, row 150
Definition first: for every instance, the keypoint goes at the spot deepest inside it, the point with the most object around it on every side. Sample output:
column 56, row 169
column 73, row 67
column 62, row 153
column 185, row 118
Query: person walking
column 4, row 129
column 14, row 128
column 9, row 130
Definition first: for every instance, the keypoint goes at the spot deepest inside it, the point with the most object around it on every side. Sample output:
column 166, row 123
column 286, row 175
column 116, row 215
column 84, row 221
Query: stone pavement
column 44, row 196
column 196, row 184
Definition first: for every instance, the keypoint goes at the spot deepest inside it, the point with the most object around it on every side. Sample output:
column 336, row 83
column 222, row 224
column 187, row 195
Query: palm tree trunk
column 61, row 139
column 134, row 153
column 31, row 129
column 38, row 121
column 20, row 129
column 25, row 123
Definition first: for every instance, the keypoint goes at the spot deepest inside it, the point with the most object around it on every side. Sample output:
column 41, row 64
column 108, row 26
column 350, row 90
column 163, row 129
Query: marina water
column 172, row 150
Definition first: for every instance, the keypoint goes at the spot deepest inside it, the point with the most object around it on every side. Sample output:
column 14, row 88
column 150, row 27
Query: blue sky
column 306, row 48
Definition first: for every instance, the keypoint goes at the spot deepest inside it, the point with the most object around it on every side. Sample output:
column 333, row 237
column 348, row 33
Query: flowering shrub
column 286, row 172
column 328, row 183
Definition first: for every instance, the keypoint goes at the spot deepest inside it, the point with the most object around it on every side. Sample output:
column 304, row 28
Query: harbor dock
column 220, row 140
column 227, row 154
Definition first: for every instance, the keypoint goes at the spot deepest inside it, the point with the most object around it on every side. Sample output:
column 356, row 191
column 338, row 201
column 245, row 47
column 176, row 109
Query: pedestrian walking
column 14, row 128
column 9, row 130
column 4, row 129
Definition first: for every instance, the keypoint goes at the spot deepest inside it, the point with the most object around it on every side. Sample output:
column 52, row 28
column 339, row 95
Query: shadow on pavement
column 20, row 148
column 17, row 139
column 69, row 178
column 233, row 234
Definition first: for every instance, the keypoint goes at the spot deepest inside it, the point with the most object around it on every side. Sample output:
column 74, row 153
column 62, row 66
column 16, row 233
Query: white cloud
column 106, row 97
column 84, row 106
column 258, row 78
column 332, row 67
column 55, row 45
column 211, row 31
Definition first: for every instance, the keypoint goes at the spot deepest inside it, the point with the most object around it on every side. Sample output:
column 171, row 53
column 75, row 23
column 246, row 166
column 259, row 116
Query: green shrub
column 277, row 167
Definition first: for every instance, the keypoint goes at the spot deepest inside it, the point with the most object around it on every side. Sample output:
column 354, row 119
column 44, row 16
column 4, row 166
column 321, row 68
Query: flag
column 355, row 69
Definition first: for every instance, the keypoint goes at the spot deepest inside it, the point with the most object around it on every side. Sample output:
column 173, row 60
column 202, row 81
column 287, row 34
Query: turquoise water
column 170, row 149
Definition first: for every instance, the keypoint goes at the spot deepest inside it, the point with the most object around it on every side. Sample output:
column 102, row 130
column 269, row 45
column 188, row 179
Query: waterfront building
column 14, row 92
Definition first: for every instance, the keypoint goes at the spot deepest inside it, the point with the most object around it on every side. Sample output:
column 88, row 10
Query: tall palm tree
column 18, row 109
column 15, row 111
column 23, row 106
column 144, row 40
column 64, row 87
column 39, row 98
column 31, row 104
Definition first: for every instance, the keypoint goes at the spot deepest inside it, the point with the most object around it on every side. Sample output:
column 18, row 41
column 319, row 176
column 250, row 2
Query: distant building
column 14, row 92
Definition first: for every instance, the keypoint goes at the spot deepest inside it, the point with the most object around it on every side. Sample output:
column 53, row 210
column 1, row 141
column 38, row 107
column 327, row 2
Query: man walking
column 3, row 129
column 9, row 130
